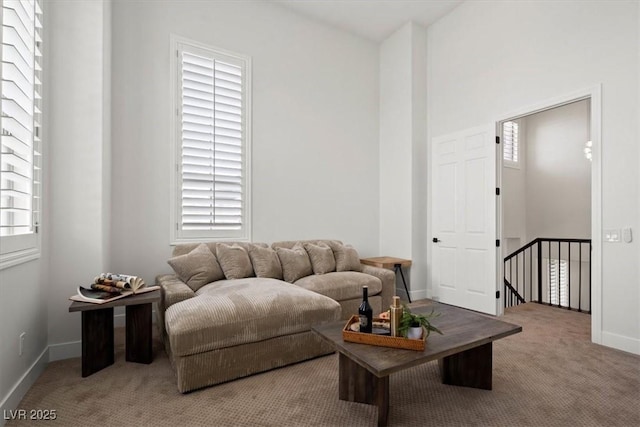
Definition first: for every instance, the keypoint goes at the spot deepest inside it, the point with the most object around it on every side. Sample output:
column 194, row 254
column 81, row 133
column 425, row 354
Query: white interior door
column 464, row 219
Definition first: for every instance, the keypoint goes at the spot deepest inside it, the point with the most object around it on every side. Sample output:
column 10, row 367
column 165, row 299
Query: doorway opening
column 548, row 173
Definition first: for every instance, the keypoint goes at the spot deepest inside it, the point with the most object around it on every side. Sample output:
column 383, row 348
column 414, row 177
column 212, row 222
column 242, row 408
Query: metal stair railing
column 544, row 271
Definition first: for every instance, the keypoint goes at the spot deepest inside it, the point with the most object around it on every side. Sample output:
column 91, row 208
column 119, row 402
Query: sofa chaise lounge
column 235, row 309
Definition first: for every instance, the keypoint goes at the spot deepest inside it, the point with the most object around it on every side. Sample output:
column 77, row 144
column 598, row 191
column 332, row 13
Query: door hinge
column 497, row 140
column 498, row 243
column 497, row 191
column 497, row 294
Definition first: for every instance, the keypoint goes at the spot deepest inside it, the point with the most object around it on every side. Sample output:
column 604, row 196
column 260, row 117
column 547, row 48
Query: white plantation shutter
column 212, row 136
column 20, row 173
column 510, row 141
column 558, row 279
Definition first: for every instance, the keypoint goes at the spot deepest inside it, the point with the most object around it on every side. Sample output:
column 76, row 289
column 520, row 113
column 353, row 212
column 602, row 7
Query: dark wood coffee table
column 464, row 354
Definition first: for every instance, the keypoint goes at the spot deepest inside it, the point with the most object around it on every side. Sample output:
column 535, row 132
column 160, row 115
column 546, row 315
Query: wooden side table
column 97, row 331
column 391, row 263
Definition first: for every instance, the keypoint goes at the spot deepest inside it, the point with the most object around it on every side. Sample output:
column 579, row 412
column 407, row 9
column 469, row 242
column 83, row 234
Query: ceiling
column 372, row 19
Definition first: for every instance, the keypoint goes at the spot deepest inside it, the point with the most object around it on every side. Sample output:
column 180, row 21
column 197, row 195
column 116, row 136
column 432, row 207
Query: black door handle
column 435, row 240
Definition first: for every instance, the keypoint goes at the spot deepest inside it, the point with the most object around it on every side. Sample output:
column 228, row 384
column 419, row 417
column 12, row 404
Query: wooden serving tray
column 382, row 340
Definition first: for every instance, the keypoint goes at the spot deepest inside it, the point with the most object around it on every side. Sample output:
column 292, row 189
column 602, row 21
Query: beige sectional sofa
column 254, row 309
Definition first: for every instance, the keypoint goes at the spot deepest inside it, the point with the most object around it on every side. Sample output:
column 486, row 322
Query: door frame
column 593, row 93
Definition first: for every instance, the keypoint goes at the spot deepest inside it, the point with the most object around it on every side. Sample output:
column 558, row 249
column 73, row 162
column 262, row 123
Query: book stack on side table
column 109, row 287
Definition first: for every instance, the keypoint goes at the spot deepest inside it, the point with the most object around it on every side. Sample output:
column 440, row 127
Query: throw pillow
column 265, row 262
column 295, row 263
column 197, row 268
column 321, row 256
column 347, row 258
column 234, row 261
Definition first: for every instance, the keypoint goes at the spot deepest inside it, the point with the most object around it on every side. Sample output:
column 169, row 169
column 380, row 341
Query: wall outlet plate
column 626, row 235
column 21, row 348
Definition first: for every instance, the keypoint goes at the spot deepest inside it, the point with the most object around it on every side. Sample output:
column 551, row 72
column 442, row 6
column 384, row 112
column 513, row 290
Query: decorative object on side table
column 108, row 287
column 411, row 325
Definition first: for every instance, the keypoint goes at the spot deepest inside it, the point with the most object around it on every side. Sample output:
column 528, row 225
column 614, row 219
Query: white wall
column 485, row 60
column 23, row 308
column 80, row 173
column 396, row 139
column 315, row 128
column 403, row 135
column 419, row 165
column 558, row 175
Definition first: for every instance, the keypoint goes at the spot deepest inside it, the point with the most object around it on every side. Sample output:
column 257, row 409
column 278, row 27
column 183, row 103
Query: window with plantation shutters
column 21, row 147
column 510, row 142
column 212, row 144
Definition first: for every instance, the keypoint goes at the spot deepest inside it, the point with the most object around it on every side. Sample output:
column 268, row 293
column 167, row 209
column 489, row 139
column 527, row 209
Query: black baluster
column 580, row 278
column 510, row 271
column 517, row 275
column 549, row 268
column 539, row 272
column 569, row 275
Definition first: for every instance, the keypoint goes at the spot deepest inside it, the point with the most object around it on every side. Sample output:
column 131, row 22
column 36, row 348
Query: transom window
column 510, row 142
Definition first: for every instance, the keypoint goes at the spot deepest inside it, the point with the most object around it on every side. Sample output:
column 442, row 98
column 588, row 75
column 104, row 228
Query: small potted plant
column 411, row 324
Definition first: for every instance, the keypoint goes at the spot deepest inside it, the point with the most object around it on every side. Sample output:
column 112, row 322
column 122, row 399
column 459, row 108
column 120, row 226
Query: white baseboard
column 621, row 342
column 119, row 320
column 15, row 395
column 418, row 294
column 415, row 295
column 66, row 350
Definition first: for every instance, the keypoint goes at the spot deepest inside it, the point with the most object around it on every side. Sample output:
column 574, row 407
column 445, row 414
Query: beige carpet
column 549, row 375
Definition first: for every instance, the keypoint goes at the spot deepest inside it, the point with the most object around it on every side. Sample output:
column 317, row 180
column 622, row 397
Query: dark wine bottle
column 365, row 312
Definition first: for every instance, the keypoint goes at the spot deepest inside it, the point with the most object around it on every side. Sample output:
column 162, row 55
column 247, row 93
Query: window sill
column 16, row 258
column 510, row 164
column 182, row 241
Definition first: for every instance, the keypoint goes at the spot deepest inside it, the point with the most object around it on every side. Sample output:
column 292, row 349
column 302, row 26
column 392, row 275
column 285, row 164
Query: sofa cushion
column 288, row 244
column 321, row 256
column 185, row 248
column 234, row 261
column 234, row 312
column 295, row 263
column 347, row 258
column 342, row 285
column 197, row 268
column 265, row 262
